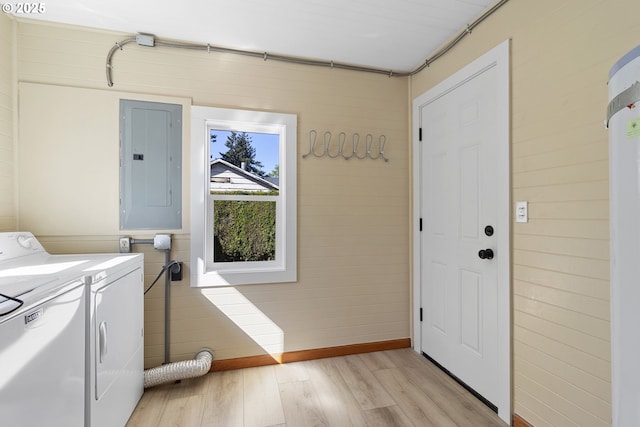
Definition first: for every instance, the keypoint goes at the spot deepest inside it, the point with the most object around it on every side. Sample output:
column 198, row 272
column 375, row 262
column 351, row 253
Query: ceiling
column 393, row 35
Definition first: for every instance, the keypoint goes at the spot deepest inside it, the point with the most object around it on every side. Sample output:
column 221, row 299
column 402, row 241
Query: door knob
column 486, row 254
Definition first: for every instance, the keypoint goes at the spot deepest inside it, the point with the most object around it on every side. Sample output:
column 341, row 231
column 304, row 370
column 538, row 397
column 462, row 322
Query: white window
column 224, row 190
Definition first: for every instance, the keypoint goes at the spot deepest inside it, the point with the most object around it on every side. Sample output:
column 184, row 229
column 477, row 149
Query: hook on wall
column 312, row 144
column 371, row 151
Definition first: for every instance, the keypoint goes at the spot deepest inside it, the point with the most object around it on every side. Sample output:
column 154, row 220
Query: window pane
column 244, row 230
column 244, row 162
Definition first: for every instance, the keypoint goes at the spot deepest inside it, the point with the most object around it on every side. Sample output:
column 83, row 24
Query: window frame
column 205, row 273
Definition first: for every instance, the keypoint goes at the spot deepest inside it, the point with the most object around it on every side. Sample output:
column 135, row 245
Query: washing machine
column 42, row 339
column 71, row 335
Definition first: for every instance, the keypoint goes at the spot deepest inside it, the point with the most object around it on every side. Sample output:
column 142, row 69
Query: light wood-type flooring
column 387, row 388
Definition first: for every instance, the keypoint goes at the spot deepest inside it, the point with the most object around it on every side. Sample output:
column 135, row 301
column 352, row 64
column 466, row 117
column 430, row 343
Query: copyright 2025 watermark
column 24, row 8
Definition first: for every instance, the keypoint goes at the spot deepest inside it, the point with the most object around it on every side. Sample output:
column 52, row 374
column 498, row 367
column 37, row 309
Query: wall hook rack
column 372, row 149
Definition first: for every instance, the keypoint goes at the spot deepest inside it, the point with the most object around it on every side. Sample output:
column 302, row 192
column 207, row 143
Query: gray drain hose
column 174, row 371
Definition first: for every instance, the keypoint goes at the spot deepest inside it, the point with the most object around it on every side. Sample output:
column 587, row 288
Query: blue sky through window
column 266, row 146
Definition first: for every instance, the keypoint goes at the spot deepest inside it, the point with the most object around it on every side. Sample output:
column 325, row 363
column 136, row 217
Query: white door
column 465, row 228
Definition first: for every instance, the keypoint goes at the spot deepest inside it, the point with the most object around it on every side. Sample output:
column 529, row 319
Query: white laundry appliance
column 71, row 335
column 42, row 346
column 623, row 120
column 115, row 335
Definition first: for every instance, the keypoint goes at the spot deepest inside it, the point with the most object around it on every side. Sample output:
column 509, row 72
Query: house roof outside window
column 227, row 177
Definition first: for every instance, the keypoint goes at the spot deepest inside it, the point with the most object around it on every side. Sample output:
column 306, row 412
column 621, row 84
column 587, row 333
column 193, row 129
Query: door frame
column 497, row 58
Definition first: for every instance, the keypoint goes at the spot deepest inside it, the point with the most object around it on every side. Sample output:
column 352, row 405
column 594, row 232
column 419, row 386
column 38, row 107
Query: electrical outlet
column 522, row 211
column 176, row 272
column 125, row 245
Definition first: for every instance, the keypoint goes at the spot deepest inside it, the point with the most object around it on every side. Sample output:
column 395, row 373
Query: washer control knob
column 25, row 241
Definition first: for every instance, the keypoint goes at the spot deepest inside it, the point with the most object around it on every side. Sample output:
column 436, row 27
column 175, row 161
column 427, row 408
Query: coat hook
column 327, row 141
column 382, row 140
column 367, row 147
column 355, row 140
column 370, row 149
column 312, row 142
column 340, row 144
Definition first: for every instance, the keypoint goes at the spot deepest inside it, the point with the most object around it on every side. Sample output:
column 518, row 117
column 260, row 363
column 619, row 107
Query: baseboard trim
column 518, row 421
column 312, row 354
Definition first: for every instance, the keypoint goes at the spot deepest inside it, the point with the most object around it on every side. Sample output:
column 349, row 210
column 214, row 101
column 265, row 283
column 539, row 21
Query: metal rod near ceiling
column 150, row 41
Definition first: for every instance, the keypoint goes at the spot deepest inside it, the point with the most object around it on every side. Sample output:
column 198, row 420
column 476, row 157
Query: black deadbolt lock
column 488, row 230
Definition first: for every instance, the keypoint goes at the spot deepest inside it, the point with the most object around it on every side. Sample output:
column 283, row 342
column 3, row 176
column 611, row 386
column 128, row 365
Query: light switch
column 522, row 211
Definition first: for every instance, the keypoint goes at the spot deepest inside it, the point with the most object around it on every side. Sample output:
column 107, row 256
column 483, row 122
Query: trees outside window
column 243, row 230
column 247, row 219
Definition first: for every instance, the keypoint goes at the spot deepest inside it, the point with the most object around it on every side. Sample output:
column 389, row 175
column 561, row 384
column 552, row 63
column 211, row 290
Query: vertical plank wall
column 561, row 53
column 353, row 216
column 7, row 102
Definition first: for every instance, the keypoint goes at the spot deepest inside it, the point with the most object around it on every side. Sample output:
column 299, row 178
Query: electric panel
column 150, row 165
